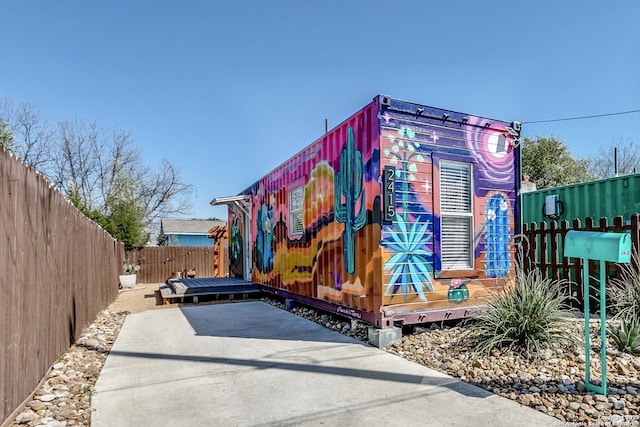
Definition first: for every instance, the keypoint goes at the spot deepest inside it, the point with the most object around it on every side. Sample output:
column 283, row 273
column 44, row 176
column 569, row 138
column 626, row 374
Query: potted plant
column 458, row 291
column 128, row 278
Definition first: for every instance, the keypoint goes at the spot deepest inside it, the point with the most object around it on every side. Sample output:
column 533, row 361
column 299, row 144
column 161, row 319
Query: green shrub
column 528, row 316
column 625, row 292
column 627, row 337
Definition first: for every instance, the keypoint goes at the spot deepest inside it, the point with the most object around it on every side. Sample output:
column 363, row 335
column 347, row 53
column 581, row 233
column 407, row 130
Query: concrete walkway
column 251, row 364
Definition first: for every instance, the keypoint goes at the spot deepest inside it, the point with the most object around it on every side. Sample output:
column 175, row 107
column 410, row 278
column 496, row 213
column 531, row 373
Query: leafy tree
column 627, row 159
column 6, row 137
column 125, row 222
column 94, row 214
column 550, row 163
column 123, row 217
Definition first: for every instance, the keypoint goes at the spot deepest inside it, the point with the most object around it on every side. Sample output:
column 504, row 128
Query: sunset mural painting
column 329, row 228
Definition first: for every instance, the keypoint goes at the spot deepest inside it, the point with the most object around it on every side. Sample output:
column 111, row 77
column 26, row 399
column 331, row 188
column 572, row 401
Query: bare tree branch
column 101, row 170
column 32, row 135
column 164, row 194
column 628, row 159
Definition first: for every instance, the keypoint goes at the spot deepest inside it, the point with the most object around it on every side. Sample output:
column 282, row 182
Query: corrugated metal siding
column 415, row 140
column 603, row 198
column 315, row 263
column 340, row 256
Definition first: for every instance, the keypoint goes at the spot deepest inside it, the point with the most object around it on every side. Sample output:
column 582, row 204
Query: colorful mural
column 411, row 264
column 405, row 151
column 332, row 257
column 348, row 185
column 263, row 248
column 412, row 242
column 458, row 292
column 409, row 237
column 321, row 229
column 498, row 261
column 236, row 255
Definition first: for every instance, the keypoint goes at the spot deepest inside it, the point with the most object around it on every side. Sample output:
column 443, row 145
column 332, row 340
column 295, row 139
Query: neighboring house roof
column 189, row 226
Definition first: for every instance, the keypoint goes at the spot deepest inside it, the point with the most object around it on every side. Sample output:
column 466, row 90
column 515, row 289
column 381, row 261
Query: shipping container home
column 608, row 198
column 402, row 214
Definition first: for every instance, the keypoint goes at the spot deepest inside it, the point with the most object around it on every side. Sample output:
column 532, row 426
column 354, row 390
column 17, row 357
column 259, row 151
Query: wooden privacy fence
column 59, row 270
column 543, row 249
column 159, row 263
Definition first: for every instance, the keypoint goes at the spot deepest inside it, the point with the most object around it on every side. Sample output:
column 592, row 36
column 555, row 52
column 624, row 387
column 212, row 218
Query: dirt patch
column 145, row 296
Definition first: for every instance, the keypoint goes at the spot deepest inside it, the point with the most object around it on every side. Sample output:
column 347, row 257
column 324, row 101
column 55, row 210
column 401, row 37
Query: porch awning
column 243, row 202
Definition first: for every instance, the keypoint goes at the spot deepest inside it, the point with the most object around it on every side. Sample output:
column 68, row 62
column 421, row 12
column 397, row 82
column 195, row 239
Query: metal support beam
column 602, row 388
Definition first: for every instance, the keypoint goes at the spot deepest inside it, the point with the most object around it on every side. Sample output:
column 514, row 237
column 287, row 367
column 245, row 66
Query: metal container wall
column 596, row 199
column 455, row 185
column 300, row 243
column 314, row 229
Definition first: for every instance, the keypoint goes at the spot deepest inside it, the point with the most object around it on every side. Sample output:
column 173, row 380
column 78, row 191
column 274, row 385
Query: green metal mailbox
column 603, row 247
column 612, row 247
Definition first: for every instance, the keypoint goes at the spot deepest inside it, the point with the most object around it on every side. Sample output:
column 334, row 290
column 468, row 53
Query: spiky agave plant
column 527, row 316
column 627, row 336
column 625, row 292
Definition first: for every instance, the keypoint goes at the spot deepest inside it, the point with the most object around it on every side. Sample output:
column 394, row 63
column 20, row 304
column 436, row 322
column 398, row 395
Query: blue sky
column 227, row 90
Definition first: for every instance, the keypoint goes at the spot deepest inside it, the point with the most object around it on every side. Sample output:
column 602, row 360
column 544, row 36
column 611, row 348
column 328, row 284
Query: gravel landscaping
column 64, row 398
column 552, row 384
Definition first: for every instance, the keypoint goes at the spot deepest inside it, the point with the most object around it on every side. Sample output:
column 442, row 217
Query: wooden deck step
column 208, row 286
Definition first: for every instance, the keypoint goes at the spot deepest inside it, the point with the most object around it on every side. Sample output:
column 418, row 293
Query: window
column 296, row 225
column 456, row 215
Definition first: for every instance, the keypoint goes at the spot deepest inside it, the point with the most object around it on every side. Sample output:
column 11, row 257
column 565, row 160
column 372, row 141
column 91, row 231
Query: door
column 240, row 234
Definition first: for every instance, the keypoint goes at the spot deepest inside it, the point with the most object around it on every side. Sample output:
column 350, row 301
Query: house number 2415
column 389, row 193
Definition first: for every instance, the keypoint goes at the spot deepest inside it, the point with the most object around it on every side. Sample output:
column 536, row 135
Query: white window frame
column 450, row 211
column 296, row 213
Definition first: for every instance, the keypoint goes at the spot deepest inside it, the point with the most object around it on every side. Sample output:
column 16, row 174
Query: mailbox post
column 603, row 247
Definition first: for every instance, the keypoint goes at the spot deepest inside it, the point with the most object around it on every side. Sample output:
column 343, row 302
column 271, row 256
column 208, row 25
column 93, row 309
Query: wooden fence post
column 564, row 261
column 577, row 271
column 635, row 240
column 533, row 246
column 543, row 250
column 553, row 233
column 523, row 250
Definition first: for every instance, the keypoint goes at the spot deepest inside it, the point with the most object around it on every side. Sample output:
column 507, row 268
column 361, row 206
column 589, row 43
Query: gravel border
column 552, row 384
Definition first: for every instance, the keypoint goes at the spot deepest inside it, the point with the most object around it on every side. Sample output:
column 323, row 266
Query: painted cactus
column 348, row 183
column 264, row 239
column 235, row 248
column 497, row 222
column 458, row 292
column 405, row 150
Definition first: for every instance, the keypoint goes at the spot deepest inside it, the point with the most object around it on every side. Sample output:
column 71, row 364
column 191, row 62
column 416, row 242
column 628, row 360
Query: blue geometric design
column 497, row 223
column 411, row 263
